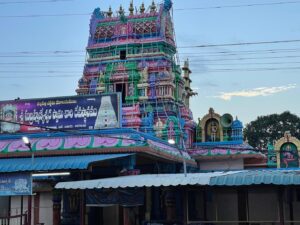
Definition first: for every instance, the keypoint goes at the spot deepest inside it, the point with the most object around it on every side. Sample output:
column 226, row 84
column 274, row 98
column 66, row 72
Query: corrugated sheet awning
column 146, row 180
column 53, row 163
column 233, row 178
column 258, row 177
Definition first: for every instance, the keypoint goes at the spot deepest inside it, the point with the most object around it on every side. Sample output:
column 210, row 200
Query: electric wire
column 238, row 6
column 178, row 9
column 66, row 51
column 256, row 51
column 241, row 43
column 249, row 58
column 33, row 1
column 190, row 46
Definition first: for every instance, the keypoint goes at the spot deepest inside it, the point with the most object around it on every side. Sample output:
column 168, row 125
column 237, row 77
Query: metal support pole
column 32, row 155
column 29, row 209
column 21, row 219
column 280, row 204
column 185, row 205
column 183, row 159
column 82, row 203
column 82, row 207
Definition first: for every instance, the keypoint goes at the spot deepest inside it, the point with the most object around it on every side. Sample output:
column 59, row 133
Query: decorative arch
column 289, row 156
column 210, row 117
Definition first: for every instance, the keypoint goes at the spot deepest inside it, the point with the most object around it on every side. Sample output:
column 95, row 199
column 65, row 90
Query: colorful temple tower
column 135, row 54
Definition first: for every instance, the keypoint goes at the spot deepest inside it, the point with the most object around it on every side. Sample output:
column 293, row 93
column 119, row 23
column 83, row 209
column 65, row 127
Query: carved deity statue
column 199, row 122
column 101, row 75
column 145, row 74
column 159, row 125
column 101, row 79
column 214, row 130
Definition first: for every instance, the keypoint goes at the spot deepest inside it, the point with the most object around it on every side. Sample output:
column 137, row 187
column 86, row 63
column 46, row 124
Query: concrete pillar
column 29, row 209
column 82, row 207
column 56, row 207
column 170, row 203
column 126, row 217
column 280, row 206
column 36, row 208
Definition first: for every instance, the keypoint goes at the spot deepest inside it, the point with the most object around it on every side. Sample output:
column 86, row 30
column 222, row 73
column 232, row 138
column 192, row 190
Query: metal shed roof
column 257, row 177
column 145, row 180
column 53, row 163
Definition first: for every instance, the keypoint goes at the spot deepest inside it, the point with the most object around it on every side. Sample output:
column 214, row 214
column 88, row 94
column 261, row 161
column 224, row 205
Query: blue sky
column 245, row 80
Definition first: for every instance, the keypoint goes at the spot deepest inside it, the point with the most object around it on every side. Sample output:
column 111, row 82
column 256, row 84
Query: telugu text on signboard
column 64, row 113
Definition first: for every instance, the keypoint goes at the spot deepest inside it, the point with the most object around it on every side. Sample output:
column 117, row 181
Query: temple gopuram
column 135, row 55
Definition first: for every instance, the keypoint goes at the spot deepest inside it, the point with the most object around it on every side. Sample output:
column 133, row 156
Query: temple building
column 126, row 150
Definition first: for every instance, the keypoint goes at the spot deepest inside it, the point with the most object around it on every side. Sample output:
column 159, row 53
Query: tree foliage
column 269, row 128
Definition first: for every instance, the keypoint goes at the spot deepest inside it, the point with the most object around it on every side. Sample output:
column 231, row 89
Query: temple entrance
column 115, row 206
column 110, row 215
column 121, row 87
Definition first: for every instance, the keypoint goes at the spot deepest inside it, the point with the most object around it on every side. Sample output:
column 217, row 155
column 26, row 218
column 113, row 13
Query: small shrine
column 287, row 151
column 219, row 143
column 216, row 128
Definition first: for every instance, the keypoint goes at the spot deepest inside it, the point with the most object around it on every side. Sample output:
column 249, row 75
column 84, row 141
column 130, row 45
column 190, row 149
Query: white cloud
column 260, row 91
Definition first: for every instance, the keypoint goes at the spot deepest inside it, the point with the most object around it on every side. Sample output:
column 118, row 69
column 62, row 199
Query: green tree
column 269, row 128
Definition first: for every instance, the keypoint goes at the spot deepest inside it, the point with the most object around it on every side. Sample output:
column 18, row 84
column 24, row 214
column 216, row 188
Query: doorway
column 121, row 87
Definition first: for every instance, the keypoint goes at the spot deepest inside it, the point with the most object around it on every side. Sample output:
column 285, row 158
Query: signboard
column 15, row 184
column 66, row 113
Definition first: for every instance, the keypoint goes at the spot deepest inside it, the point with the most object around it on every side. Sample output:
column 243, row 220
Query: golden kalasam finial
column 121, row 10
column 109, row 13
column 131, row 9
column 142, row 8
column 153, row 7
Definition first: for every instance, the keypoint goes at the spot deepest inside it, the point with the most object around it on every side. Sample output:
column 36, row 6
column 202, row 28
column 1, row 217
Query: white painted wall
column 46, row 208
column 15, row 206
column 229, row 164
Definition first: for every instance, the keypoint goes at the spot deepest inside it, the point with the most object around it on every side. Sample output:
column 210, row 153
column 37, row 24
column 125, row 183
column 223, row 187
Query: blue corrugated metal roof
column 53, row 163
column 256, row 177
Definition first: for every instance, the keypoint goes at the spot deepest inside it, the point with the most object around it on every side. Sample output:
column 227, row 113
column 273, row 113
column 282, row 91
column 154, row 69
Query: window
column 142, row 92
column 121, row 87
column 123, row 54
